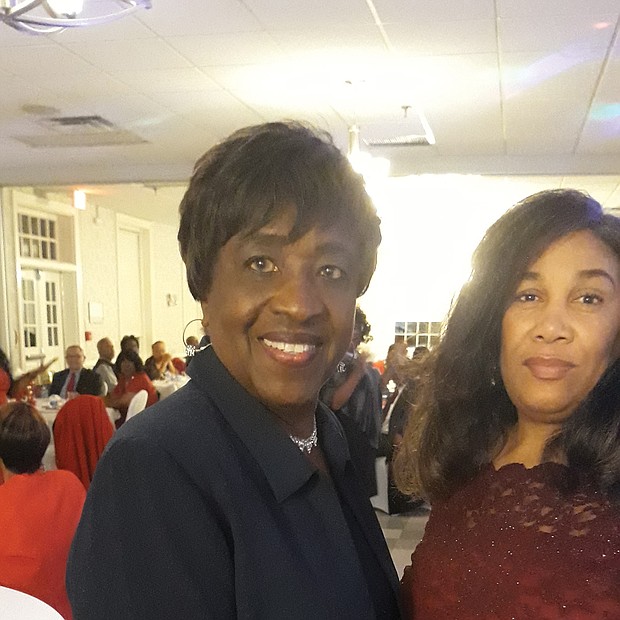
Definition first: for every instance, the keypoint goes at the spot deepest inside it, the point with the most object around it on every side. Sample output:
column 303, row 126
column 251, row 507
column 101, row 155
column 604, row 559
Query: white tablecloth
column 16, row 605
column 165, row 387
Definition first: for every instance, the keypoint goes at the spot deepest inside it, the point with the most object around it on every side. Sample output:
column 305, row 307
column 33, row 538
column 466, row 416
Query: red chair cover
column 179, row 364
column 81, row 431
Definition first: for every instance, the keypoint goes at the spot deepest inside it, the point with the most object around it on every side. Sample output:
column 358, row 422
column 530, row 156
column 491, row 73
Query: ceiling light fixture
column 50, row 16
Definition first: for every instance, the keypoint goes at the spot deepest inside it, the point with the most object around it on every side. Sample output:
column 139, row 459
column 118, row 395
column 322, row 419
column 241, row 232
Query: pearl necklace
column 309, row 442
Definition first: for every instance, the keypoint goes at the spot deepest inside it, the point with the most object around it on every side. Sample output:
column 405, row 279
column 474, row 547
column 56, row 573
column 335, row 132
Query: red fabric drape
column 81, row 431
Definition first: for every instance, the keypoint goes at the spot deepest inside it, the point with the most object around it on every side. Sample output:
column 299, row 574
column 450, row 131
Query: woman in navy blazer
column 236, row 497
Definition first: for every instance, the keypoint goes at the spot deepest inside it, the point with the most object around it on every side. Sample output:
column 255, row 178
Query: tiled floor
column 403, row 532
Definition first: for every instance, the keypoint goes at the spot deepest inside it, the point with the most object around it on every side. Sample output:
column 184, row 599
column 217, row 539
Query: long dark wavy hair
column 463, row 412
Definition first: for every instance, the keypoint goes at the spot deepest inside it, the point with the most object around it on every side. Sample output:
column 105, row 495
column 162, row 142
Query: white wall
column 172, row 306
column 97, row 228
column 431, row 225
column 99, row 275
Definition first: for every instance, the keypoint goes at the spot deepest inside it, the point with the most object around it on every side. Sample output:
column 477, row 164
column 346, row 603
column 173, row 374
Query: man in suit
column 76, row 378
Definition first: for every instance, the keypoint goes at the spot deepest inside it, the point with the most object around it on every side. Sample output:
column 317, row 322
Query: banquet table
column 165, row 387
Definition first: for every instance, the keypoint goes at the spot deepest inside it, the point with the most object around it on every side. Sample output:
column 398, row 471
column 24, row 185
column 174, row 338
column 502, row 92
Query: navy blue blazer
column 202, row 507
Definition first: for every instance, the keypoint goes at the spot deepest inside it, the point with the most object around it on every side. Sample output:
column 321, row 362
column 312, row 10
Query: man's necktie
column 71, row 383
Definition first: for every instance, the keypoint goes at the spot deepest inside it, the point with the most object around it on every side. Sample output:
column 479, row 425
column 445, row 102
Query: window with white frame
column 418, row 333
column 37, row 237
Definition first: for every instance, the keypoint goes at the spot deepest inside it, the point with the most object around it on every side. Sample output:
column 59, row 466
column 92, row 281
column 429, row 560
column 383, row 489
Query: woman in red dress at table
column 516, row 436
column 132, row 379
column 39, row 510
column 12, row 388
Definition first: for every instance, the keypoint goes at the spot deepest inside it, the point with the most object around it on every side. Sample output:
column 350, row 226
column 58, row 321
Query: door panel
column 41, row 317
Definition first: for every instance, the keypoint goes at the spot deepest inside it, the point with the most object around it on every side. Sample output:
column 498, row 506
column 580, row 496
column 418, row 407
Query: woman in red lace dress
column 516, row 436
column 131, row 380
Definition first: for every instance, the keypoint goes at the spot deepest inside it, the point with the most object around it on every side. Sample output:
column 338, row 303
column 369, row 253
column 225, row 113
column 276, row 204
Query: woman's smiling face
column 561, row 330
column 280, row 312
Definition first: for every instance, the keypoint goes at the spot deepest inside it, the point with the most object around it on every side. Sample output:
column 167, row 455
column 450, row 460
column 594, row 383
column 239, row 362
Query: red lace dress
column 509, row 545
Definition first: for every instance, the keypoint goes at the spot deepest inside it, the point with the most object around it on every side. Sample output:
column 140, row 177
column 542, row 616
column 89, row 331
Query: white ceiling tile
column 558, row 76
column 393, row 11
column 129, row 55
column 608, row 90
column 452, row 82
column 601, row 136
column 303, row 15
column 220, row 112
column 474, row 132
column 535, row 9
column 323, row 116
column 443, row 37
column 366, row 39
column 198, row 17
column 16, row 92
column 575, row 34
column 227, row 49
column 45, row 59
column 80, row 86
column 538, row 126
column 166, row 80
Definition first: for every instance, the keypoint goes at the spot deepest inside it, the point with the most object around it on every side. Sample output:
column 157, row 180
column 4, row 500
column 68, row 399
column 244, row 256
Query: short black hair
column 129, row 338
column 24, row 437
column 130, row 356
column 246, row 181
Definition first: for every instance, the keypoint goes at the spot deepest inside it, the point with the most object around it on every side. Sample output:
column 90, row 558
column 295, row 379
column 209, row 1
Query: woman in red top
column 10, row 387
column 516, row 435
column 39, row 510
column 132, row 379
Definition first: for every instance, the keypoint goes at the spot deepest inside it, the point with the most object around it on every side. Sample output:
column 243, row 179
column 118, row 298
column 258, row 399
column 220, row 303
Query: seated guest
column 39, row 510
column 11, row 387
column 131, row 380
column 76, row 378
column 104, row 366
column 159, row 363
column 128, row 343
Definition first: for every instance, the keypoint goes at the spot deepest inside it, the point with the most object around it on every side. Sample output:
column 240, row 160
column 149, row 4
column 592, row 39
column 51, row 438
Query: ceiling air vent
column 405, row 140
column 79, row 131
column 410, row 130
column 88, row 124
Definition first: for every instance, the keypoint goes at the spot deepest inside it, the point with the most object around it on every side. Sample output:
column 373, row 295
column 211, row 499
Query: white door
column 131, row 286
column 41, row 318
